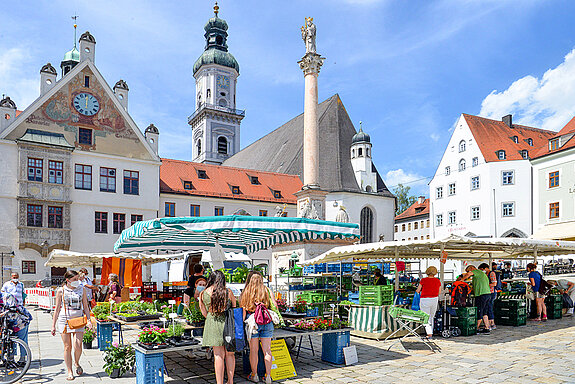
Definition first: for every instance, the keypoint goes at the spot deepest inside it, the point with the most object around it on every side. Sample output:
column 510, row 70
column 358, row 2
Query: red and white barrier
column 47, row 298
column 31, row 296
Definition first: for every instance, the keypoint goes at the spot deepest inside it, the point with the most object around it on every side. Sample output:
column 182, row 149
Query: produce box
column 408, row 314
column 554, row 306
column 367, row 289
column 466, row 312
column 510, row 320
column 554, row 314
column 510, row 304
column 510, row 312
column 554, row 299
column 378, row 301
column 465, row 322
column 469, row 331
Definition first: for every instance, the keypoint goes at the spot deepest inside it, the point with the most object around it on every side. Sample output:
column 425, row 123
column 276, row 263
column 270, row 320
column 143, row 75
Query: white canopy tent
column 67, row 259
column 452, row 247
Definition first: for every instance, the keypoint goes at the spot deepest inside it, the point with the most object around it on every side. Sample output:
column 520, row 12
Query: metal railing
column 201, row 107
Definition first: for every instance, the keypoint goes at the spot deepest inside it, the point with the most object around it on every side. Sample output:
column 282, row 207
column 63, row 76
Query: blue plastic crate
column 312, row 312
column 353, row 295
column 332, row 345
column 104, row 335
column 386, row 268
column 149, row 368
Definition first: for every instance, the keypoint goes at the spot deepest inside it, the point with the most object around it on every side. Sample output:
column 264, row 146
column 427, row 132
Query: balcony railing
column 239, row 112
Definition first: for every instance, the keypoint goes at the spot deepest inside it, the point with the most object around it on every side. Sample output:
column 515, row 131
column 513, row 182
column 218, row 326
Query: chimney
column 7, row 112
column 87, row 47
column 121, row 90
column 47, row 78
column 507, row 120
column 421, row 199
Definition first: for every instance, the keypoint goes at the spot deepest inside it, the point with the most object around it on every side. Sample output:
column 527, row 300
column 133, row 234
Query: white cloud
column 15, row 79
column 399, row 176
column 435, row 137
column 542, row 103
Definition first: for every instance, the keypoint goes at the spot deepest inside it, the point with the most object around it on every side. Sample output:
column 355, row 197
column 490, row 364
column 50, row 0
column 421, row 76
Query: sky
column 406, row 69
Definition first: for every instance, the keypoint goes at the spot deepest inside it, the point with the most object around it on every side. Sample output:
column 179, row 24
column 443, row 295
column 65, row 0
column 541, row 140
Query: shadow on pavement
column 48, row 362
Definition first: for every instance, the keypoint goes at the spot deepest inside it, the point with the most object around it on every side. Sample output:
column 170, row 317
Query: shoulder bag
column 74, row 322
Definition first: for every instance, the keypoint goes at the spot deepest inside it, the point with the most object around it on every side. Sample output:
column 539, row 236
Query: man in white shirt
column 13, row 291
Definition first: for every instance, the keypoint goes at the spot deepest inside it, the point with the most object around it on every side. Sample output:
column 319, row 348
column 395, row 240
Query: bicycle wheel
column 10, row 368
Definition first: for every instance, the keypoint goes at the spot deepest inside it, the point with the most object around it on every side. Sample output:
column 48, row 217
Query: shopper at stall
column 190, row 290
column 429, row 288
column 492, row 285
column 199, row 286
column 256, row 293
column 71, row 303
column 88, row 284
column 566, row 286
column 535, row 280
column 215, row 300
column 378, row 278
column 497, row 271
column 507, row 273
column 482, row 293
column 114, row 288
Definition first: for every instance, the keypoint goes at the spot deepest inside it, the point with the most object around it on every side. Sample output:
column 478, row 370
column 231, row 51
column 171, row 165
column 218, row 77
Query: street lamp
column 3, row 254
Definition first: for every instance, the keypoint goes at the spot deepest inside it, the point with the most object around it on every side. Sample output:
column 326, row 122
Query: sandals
column 79, row 371
column 70, row 378
column 253, row 378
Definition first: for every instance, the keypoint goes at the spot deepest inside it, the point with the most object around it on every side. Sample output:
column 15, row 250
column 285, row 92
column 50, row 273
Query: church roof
column 219, row 180
column 282, row 150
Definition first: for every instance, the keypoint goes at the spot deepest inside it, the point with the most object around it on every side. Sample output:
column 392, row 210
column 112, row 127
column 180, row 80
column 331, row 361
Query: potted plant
column 175, row 331
column 152, row 337
column 282, row 305
column 118, row 359
column 89, row 336
column 300, row 306
column 193, row 315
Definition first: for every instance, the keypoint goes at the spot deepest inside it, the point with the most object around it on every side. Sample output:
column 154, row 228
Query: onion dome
column 72, row 55
column 360, row 137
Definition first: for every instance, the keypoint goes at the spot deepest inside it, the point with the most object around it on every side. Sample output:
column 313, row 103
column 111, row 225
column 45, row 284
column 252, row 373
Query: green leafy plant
column 89, row 336
column 153, row 335
column 175, row 329
column 121, row 357
column 193, row 313
column 240, row 274
column 300, row 306
column 101, row 311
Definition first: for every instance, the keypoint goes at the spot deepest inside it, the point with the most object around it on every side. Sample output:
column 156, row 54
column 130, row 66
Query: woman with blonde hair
column 254, row 294
column 429, row 288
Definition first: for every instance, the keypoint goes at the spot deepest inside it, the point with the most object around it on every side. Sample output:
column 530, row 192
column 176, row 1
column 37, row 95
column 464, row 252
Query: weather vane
column 75, row 18
column 216, row 9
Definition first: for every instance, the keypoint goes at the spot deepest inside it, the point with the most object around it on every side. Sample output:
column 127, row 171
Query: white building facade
column 414, row 222
column 482, row 186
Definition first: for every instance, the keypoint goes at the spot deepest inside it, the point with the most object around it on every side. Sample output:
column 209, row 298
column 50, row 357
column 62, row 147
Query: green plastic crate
column 466, row 312
column 375, row 288
column 510, row 304
column 554, row 306
column 469, row 331
column 330, row 296
column 554, row 299
column 375, row 301
column 518, row 312
column 306, row 296
column 556, row 314
column 408, row 314
column 513, row 321
column 466, row 322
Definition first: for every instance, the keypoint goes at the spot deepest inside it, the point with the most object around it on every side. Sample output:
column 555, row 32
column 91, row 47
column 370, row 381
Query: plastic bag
column 567, row 302
column 415, row 304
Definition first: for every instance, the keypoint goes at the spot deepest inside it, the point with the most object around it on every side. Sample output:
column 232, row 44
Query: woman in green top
column 215, row 300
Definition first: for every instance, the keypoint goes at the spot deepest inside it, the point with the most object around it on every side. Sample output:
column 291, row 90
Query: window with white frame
column 508, row 177
column 439, row 192
column 451, row 217
column 501, row 155
column 462, row 146
column 447, row 171
column 475, row 213
column 508, row 209
column 439, row 220
column 475, row 162
column 474, row 182
column 451, row 189
column 461, row 165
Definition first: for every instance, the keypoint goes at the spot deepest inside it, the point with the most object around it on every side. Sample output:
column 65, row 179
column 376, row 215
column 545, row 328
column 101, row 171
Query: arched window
column 199, row 146
column 368, row 189
column 367, row 152
column 360, row 152
column 222, row 145
column 353, row 153
column 461, row 165
column 366, row 225
column 462, row 146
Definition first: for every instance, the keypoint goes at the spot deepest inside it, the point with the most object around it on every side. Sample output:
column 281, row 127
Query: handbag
column 74, row 322
column 544, row 287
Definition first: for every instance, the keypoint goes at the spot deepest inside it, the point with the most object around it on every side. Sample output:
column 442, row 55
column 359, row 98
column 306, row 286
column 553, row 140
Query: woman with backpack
column 215, row 300
column 257, row 300
column 535, row 280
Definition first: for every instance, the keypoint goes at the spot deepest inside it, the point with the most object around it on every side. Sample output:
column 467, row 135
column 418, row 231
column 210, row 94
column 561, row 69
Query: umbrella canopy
column 246, row 234
column 456, row 247
column 67, row 259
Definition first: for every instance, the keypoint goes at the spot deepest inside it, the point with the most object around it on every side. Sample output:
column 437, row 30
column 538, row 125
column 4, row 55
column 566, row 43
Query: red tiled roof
column 569, row 128
column 494, row 135
column 18, row 113
column 220, row 179
column 416, row 209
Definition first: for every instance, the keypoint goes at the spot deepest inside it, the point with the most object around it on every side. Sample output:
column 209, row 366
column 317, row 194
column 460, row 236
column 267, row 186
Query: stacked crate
column 466, row 320
column 554, row 305
column 376, row 295
column 510, row 312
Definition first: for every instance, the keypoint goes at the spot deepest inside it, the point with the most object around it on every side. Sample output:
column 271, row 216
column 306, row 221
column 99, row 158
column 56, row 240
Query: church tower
column 361, row 161
column 216, row 121
column 72, row 57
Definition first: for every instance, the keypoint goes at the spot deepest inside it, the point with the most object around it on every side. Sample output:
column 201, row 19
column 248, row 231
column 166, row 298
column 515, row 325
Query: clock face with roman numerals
column 86, row 104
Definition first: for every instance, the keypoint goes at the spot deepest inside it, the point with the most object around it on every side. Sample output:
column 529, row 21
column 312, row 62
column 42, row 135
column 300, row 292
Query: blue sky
column 407, row 69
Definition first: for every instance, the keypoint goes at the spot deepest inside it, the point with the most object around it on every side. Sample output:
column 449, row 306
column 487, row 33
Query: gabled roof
column 282, row 150
column 221, row 179
column 415, row 210
column 568, row 131
column 494, row 135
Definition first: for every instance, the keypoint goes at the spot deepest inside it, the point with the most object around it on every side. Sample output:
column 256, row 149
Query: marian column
column 311, row 199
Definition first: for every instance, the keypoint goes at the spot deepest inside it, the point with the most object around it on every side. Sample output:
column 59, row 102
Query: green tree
column 404, row 199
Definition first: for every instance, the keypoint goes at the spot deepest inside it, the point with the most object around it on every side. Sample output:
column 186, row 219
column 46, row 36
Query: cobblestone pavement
column 536, row 353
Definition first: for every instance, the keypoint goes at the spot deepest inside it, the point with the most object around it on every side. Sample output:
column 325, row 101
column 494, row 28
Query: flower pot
column 87, row 345
column 115, row 373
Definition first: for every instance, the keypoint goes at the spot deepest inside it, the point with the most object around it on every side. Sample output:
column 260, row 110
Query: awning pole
column 396, row 270
column 535, row 256
column 442, row 268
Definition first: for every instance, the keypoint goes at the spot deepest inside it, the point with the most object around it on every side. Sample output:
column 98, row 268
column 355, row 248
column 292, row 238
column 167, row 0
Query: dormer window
column 530, row 142
column 188, row 185
column 254, row 180
column 525, row 154
column 515, row 139
column 501, row 155
column 462, row 146
column 553, row 144
column 277, row 194
column 202, row 174
column 235, row 190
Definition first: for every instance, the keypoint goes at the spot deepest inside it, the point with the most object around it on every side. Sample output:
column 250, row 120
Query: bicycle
column 13, row 366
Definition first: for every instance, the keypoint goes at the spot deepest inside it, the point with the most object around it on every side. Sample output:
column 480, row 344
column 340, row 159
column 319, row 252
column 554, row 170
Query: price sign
column 282, row 365
column 443, row 257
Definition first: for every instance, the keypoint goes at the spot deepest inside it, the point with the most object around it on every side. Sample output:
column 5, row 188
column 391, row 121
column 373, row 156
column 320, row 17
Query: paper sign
column 443, row 257
column 282, row 365
column 173, row 315
column 350, row 354
column 171, row 302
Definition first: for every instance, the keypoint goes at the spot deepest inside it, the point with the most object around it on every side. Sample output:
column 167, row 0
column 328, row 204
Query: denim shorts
column 265, row 331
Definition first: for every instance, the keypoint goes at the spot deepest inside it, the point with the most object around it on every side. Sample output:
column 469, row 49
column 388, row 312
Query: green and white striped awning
column 245, row 234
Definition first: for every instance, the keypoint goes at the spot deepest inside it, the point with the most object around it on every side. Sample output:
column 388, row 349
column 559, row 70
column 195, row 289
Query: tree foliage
column 404, row 199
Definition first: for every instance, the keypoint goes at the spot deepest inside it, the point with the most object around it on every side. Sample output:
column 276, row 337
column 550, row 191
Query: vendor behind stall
column 507, row 273
column 378, row 278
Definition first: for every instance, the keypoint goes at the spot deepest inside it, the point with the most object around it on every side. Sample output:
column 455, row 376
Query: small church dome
column 360, row 137
column 72, row 55
column 152, row 129
column 6, row 102
column 216, row 22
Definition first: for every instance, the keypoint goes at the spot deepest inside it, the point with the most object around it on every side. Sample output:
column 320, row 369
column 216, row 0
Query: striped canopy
column 245, row 234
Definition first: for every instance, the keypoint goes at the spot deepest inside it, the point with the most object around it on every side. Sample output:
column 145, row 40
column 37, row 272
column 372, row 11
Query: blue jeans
column 22, row 335
column 265, row 331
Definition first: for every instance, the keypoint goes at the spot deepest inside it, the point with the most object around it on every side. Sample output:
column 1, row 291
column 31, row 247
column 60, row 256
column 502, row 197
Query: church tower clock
column 216, row 121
